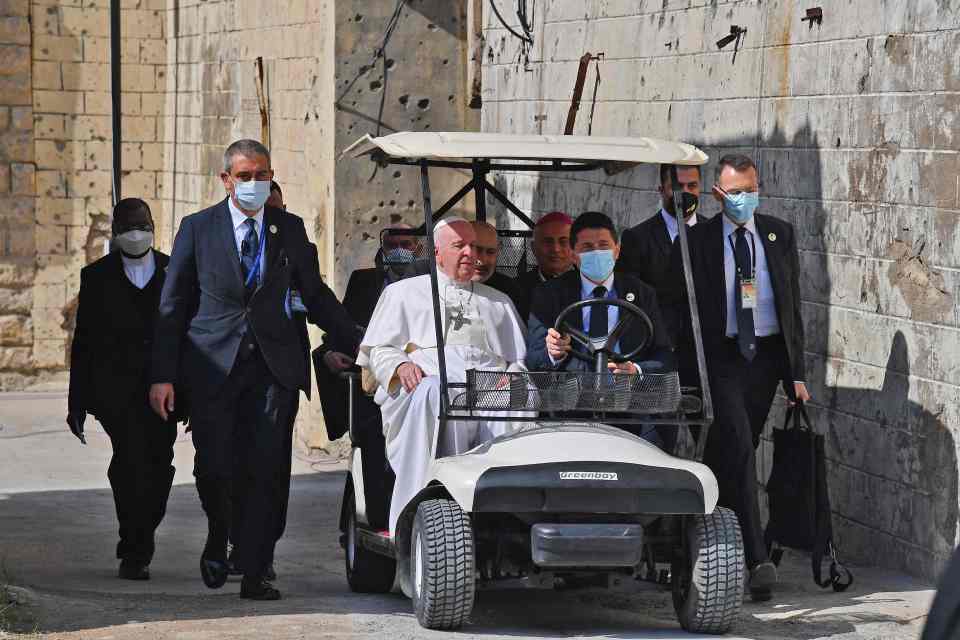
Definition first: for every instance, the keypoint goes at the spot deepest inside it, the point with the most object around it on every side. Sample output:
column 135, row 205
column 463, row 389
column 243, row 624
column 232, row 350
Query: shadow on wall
column 893, row 467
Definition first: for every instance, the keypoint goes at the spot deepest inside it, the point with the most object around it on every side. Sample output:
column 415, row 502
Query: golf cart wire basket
column 563, row 391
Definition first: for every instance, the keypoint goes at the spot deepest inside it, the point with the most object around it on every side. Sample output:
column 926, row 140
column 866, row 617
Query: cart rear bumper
column 586, row 545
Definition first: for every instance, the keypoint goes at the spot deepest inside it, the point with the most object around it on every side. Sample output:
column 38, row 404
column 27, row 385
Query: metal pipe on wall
column 115, row 93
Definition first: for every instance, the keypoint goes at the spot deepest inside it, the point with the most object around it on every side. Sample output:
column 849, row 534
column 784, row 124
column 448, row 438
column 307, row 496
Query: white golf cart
column 571, row 498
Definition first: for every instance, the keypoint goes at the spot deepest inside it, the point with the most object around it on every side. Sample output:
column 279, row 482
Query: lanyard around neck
column 255, row 270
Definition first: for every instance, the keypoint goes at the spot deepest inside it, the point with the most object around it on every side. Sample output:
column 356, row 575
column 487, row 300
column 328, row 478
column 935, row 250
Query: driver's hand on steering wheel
column 623, row 367
column 410, row 376
column 558, row 345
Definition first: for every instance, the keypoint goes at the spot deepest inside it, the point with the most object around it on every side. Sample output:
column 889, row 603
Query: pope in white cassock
column 481, row 331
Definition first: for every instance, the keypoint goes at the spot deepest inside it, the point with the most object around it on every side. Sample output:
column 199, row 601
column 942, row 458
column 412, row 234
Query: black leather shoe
column 762, row 579
column 270, row 574
column 213, row 572
column 258, row 589
column 133, row 571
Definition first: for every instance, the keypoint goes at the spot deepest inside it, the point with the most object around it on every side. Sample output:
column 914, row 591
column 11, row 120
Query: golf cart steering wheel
column 599, row 350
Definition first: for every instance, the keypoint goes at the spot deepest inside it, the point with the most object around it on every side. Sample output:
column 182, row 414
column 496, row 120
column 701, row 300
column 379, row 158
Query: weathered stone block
column 15, row 8
column 55, row 154
column 49, row 126
column 139, row 129
column 21, row 118
column 85, row 21
column 58, row 101
column 4, row 178
column 62, row 48
column 51, row 239
column 14, row 358
column 15, row 89
column 50, row 354
column 16, row 301
column 23, row 179
column 18, row 273
column 143, row 24
column 15, row 331
column 87, row 127
column 15, row 30
column 86, row 76
column 14, row 59
column 89, row 183
column 51, row 184
column 16, row 146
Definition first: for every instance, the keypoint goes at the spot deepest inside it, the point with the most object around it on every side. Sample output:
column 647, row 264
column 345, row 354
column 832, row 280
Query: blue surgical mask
column 252, row 195
column 740, row 207
column 399, row 255
column 597, row 265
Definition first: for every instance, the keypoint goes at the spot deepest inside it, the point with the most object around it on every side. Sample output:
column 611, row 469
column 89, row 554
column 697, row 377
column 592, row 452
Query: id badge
column 748, row 293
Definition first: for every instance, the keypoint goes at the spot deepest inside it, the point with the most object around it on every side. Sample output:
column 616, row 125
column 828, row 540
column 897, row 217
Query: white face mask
column 134, row 243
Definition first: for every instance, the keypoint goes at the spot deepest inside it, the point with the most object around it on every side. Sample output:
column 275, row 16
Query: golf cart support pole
column 694, row 315
column 435, row 291
column 480, row 170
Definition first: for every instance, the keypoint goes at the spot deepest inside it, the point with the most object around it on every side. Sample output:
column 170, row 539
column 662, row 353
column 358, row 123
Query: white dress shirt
column 765, row 319
column 240, row 229
column 140, row 270
column 673, row 229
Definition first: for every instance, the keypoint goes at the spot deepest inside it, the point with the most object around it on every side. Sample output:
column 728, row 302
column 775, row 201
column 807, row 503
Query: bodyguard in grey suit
column 225, row 330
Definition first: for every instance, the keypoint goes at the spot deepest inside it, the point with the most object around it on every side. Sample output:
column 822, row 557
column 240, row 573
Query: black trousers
column 236, row 516
column 742, row 394
column 243, row 439
column 140, row 475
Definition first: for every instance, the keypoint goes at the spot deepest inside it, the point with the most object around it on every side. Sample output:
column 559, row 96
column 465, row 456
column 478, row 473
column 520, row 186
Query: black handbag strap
column 840, row 577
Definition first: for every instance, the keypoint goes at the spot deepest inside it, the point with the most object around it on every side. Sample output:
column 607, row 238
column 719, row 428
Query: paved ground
column 57, row 540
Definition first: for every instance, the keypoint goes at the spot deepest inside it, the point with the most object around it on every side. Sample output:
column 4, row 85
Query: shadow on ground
column 59, row 545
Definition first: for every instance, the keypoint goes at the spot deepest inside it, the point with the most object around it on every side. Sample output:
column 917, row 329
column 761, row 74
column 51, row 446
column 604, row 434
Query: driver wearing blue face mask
column 593, row 238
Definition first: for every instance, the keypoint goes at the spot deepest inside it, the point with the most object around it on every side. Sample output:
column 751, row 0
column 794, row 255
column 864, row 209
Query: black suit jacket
column 203, row 316
column 363, row 292
column 555, row 295
column 645, row 252
column 524, row 285
column 706, row 261
column 112, row 341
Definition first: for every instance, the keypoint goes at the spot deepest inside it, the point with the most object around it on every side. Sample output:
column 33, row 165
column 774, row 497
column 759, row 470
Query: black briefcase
column 800, row 515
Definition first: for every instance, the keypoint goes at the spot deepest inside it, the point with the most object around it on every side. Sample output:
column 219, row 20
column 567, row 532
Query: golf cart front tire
column 442, row 565
column 367, row 572
column 708, row 577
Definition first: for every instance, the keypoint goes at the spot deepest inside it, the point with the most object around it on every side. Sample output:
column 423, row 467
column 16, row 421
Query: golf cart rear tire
column 444, row 593
column 708, row 578
column 370, row 572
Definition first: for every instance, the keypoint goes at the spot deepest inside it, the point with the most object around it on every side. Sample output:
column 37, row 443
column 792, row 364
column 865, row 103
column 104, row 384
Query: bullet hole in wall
column 432, row 27
column 358, row 18
column 396, row 174
column 403, row 100
column 376, row 85
column 391, row 63
column 395, row 218
column 424, row 104
column 393, row 203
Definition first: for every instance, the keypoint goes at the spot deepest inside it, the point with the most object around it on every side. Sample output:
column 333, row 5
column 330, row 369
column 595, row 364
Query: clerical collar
column 443, row 280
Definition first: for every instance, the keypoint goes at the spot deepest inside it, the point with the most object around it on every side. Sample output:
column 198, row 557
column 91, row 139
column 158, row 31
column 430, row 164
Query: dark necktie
column 746, row 339
column 249, row 250
column 598, row 314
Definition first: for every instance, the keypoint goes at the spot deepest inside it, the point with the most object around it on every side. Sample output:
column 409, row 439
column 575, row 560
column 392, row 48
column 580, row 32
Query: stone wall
column 73, row 148
column 426, row 90
column 853, row 124
column 17, row 239
column 211, row 100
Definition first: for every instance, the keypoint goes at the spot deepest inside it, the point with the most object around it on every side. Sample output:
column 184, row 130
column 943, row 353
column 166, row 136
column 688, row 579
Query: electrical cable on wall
column 526, row 19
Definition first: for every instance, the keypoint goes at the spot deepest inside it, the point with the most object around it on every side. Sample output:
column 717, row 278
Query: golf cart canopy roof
column 468, row 146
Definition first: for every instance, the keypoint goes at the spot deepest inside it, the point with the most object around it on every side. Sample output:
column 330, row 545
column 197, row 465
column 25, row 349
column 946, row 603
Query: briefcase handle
column 798, row 412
